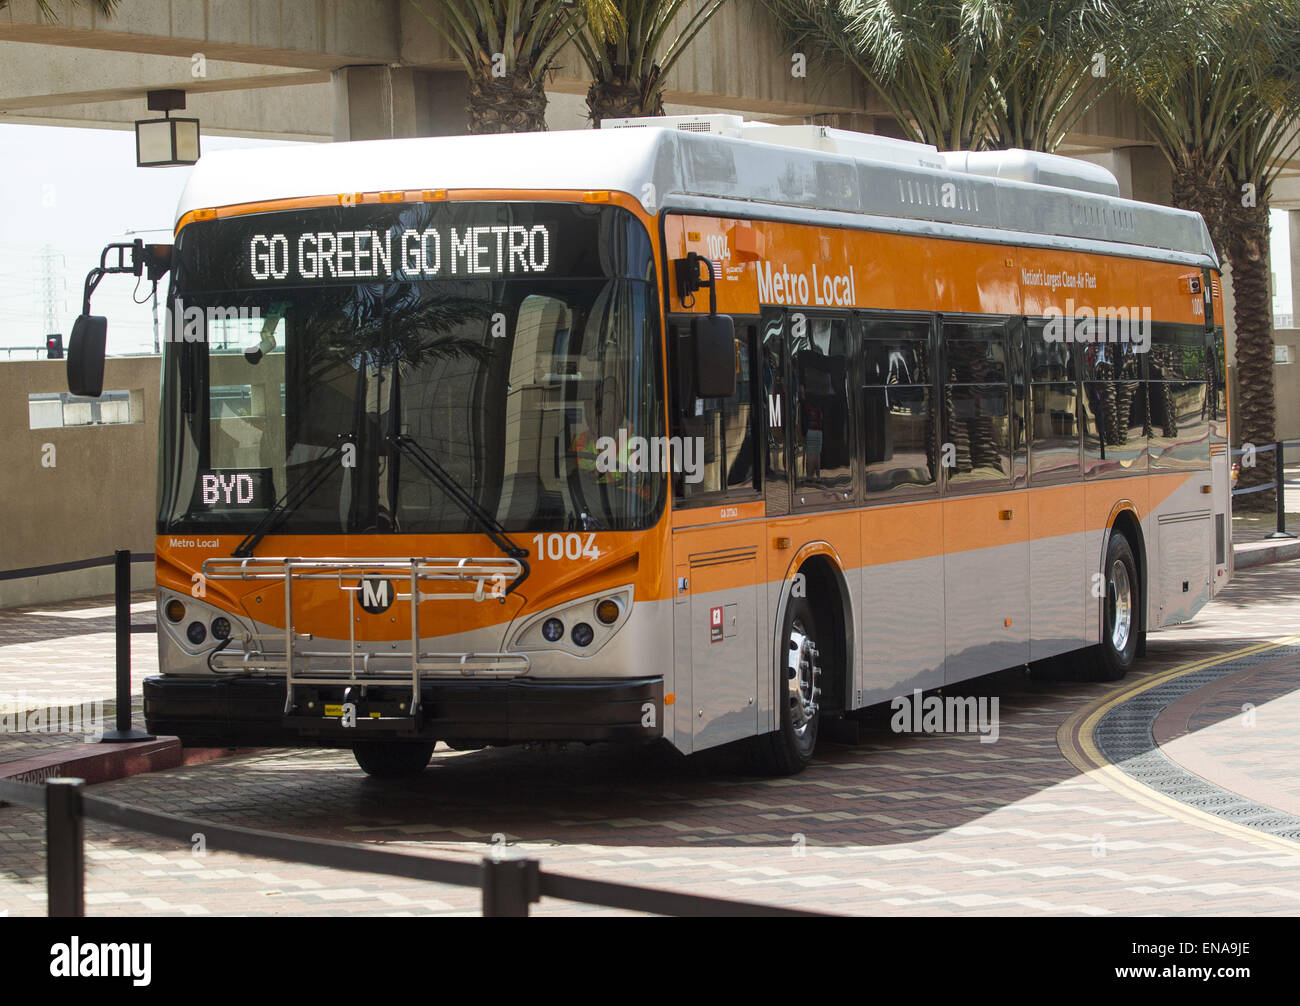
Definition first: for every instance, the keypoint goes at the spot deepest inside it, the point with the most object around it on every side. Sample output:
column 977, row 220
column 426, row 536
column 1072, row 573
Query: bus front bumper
column 249, row 711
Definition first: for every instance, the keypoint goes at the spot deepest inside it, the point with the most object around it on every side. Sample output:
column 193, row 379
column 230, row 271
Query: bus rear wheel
column 392, row 759
column 788, row 750
column 1111, row 659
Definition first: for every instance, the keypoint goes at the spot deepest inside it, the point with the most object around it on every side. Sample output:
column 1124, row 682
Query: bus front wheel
column 392, row 759
column 789, row 749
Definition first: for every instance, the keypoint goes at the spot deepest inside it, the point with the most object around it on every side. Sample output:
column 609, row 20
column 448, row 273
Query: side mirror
column 86, row 355
column 714, row 336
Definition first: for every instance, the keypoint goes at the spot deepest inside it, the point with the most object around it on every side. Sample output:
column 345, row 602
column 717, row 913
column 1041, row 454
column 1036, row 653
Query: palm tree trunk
column 1247, row 247
column 515, row 103
column 621, row 96
column 1199, row 188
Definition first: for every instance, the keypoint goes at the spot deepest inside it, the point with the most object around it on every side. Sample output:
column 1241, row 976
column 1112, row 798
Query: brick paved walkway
column 899, row 825
column 63, row 653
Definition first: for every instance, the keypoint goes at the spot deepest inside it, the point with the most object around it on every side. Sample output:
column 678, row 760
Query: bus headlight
column 197, row 626
column 579, row 627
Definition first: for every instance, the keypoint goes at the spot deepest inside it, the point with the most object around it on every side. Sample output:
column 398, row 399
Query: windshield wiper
column 439, row 476
column 292, row 499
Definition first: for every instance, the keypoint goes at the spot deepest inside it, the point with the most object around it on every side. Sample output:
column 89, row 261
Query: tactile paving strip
column 1124, row 736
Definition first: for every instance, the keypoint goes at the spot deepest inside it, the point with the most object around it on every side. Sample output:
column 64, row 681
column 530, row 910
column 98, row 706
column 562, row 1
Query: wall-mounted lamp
column 165, row 142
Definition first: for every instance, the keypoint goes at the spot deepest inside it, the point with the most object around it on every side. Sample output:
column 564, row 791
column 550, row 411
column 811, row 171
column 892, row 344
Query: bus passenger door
column 1217, row 410
column 720, row 609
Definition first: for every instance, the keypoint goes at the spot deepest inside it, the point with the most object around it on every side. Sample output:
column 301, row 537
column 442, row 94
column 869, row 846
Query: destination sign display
column 228, row 489
column 409, row 253
column 417, row 242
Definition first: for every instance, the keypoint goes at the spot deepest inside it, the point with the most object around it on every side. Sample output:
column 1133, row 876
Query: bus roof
column 671, row 169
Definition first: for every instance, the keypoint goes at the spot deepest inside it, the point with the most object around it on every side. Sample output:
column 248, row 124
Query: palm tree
column 923, row 58
column 1222, row 95
column 48, row 13
column 508, row 46
column 1270, row 137
column 1052, row 64
column 966, row 74
column 628, row 71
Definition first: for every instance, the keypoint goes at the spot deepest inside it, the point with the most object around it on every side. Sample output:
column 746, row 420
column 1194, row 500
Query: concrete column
column 1142, row 172
column 383, row 102
column 1153, row 178
column 1293, row 222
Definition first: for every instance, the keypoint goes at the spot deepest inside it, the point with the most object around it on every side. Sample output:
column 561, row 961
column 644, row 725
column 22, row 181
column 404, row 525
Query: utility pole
column 53, row 287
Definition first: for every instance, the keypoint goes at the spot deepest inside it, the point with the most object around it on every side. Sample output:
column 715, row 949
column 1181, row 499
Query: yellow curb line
column 1076, row 742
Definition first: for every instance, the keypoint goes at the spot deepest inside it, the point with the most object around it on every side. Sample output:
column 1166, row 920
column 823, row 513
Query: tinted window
column 977, row 409
column 822, row 455
column 1115, row 415
column 1180, row 368
column 774, row 408
column 1053, row 408
column 897, row 407
column 716, row 434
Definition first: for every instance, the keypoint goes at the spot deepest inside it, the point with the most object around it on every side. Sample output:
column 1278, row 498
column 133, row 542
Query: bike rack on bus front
column 489, row 578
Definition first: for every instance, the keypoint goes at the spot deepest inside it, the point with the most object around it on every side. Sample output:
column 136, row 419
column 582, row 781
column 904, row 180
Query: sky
column 72, row 191
column 67, row 192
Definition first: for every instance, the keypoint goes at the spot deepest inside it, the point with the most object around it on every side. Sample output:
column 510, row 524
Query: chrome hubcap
column 803, row 679
column 1120, row 591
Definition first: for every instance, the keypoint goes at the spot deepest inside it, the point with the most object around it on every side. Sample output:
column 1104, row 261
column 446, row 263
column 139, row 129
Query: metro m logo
column 376, row 594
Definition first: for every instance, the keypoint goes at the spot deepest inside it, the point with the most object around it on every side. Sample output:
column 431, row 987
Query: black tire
column 392, row 759
column 1111, row 659
column 789, row 749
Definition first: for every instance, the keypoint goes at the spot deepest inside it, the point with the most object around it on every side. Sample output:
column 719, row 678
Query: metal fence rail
column 75, row 564
column 1278, row 483
column 508, row 886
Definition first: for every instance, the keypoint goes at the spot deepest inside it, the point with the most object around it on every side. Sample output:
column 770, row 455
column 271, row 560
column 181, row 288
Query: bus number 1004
column 565, row 546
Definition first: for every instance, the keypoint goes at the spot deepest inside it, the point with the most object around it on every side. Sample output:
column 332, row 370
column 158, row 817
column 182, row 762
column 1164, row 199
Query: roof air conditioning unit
column 1035, row 167
column 712, row 125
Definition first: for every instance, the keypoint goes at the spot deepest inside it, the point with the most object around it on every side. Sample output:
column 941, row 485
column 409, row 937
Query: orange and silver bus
column 693, row 432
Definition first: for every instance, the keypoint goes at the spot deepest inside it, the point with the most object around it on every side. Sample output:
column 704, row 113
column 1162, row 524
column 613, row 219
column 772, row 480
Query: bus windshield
column 310, row 352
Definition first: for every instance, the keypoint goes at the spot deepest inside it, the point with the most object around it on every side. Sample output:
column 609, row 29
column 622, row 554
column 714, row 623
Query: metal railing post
column 122, row 630
column 510, row 886
column 1279, row 478
column 65, row 849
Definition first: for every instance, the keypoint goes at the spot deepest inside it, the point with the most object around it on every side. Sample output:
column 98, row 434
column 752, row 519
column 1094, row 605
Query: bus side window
column 897, row 407
column 773, row 407
column 716, row 435
column 1116, row 416
column 1055, row 443
column 822, row 447
column 977, row 422
column 1178, row 365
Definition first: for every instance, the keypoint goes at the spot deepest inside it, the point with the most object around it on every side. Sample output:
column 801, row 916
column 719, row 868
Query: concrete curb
column 103, row 762
column 1260, row 553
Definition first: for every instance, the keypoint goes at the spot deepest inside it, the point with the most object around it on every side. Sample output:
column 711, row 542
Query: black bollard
column 122, row 630
column 1280, row 479
column 65, row 849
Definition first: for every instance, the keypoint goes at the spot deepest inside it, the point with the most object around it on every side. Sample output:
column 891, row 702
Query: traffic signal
column 54, row 346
